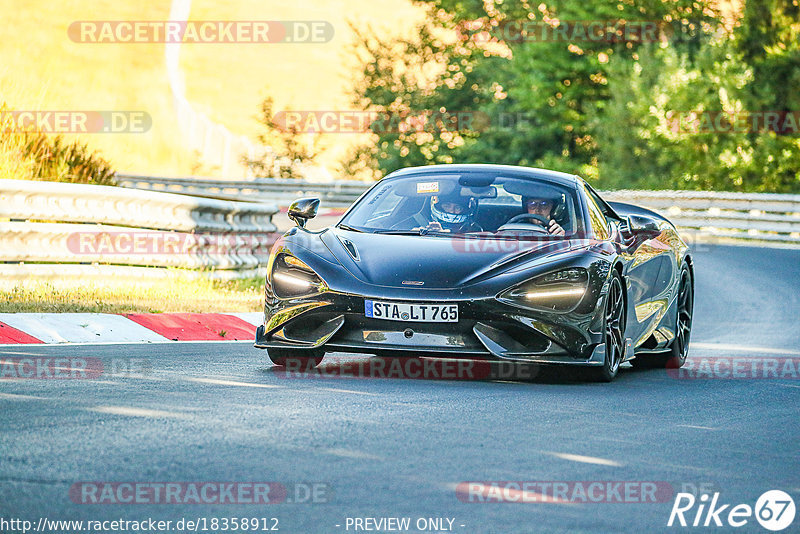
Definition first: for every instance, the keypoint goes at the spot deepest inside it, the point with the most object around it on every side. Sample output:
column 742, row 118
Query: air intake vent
column 351, row 248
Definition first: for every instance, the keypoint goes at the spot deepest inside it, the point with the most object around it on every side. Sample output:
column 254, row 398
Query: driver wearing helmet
column 454, row 213
column 543, row 207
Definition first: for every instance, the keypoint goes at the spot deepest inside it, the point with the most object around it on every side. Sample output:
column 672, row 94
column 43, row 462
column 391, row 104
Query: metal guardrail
column 749, row 217
column 752, row 217
column 52, row 230
column 64, row 202
column 281, row 191
column 58, row 230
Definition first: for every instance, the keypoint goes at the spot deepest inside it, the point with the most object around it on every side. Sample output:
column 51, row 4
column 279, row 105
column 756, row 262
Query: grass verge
column 197, row 296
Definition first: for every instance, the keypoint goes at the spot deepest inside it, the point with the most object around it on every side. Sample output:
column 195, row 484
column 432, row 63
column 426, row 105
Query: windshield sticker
column 427, row 187
column 379, row 194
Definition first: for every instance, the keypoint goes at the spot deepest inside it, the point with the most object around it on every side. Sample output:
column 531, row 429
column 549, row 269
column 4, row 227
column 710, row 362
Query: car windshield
column 466, row 203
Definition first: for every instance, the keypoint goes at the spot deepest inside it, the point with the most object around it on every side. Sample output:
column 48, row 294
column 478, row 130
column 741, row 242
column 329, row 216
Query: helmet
column 450, row 218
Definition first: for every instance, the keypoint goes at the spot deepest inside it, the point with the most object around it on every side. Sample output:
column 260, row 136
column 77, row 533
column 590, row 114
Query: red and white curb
column 50, row 328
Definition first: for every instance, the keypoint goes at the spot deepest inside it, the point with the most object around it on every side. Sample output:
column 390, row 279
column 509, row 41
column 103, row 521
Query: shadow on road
column 440, row 369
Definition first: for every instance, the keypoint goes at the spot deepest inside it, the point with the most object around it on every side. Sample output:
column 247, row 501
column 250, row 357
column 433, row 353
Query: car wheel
column 613, row 333
column 296, row 359
column 679, row 350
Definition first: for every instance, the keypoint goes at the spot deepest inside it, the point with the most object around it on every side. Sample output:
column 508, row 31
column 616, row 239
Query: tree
column 538, row 94
column 286, row 150
column 651, row 140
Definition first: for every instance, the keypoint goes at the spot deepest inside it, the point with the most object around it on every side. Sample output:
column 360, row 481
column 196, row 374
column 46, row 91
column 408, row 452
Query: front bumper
column 486, row 329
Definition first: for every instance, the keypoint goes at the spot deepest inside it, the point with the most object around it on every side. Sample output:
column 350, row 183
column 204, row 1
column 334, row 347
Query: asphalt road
column 400, row 447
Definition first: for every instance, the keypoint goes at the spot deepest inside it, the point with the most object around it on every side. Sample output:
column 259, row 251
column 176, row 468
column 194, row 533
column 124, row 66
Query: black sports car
column 482, row 261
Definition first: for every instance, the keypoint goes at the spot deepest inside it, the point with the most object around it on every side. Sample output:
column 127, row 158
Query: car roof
column 516, row 171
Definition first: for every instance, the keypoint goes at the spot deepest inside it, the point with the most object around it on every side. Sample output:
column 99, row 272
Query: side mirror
column 302, row 210
column 643, row 225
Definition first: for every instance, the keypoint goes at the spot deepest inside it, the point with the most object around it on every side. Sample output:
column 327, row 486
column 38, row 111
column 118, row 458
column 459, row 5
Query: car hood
column 436, row 262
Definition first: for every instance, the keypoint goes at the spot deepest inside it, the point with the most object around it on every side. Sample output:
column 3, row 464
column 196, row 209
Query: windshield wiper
column 397, row 232
column 420, row 231
column 425, row 231
column 351, row 228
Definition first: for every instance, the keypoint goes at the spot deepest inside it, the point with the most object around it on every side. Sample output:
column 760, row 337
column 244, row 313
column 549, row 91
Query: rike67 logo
column 774, row 510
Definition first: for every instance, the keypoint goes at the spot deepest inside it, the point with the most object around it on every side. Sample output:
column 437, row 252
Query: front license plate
column 411, row 311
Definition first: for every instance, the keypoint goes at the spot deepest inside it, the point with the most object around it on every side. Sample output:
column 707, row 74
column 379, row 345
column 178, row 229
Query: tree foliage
column 286, row 148
column 613, row 110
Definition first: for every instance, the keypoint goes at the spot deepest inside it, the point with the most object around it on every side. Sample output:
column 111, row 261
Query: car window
column 597, row 220
column 486, row 204
column 383, row 203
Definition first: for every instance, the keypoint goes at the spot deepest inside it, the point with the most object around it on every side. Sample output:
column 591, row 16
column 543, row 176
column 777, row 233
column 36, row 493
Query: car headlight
column 292, row 278
column 559, row 291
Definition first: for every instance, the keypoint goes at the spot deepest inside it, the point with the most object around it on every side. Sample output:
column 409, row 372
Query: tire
column 613, row 333
column 296, row 359
column 676, row 356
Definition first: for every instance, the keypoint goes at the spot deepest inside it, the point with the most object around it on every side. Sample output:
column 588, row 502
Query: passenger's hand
column 555, row 228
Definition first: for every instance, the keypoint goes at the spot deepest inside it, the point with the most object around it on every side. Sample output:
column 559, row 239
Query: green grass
column 173, row 296
column 33, row 155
